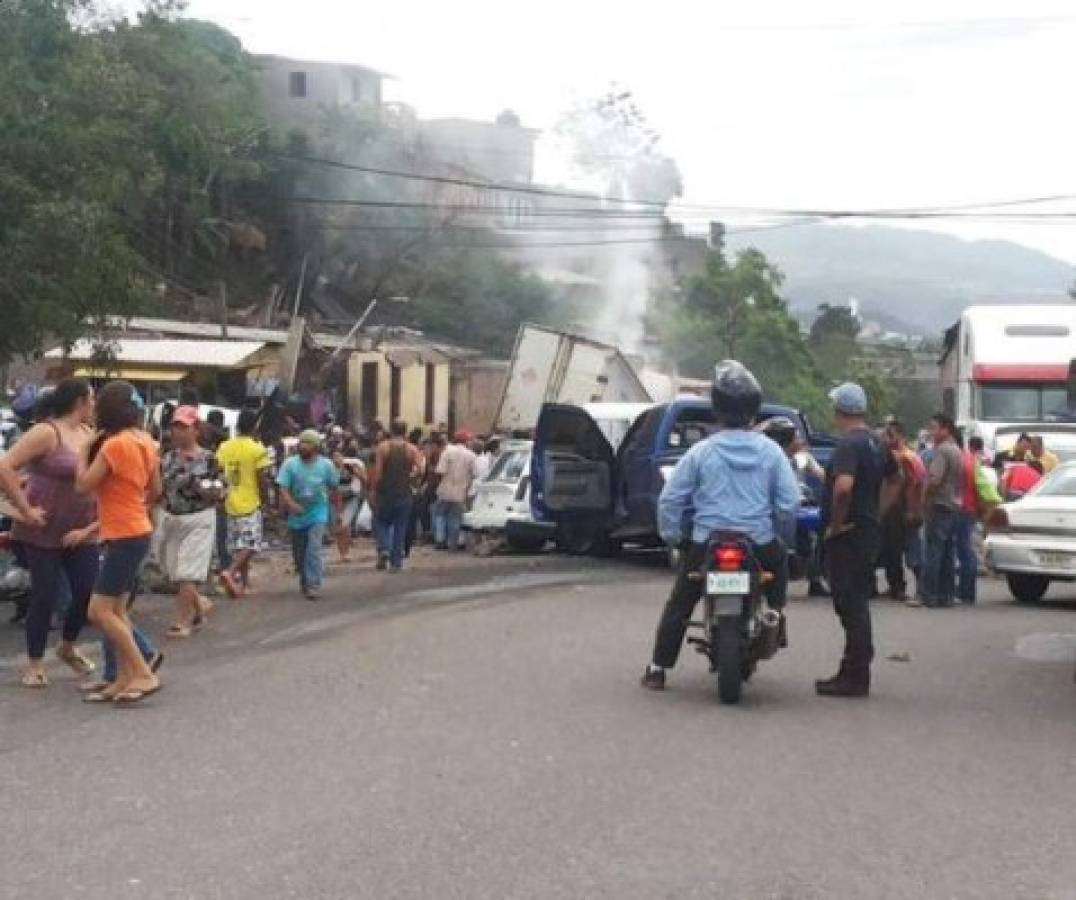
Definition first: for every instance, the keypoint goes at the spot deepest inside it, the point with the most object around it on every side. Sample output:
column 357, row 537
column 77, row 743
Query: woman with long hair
column 56, row 527
column 121, row 466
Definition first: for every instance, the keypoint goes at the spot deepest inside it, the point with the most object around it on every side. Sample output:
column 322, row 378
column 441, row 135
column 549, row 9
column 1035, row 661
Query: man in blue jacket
column 736, row 480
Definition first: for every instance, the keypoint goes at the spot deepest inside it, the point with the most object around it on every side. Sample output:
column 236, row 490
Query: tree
column 65, row 160
column 835, row 322
column 479, row 300
column 736, row 311
column 123, row 148
column 611, row 140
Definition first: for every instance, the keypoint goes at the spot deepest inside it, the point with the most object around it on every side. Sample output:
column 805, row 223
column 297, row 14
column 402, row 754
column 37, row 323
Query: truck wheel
column 606, row 547
column 729, row 659
column 525, row 544
column 1028, row 588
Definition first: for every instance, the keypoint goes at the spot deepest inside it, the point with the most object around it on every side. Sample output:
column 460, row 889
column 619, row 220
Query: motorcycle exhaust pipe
column 769, row 637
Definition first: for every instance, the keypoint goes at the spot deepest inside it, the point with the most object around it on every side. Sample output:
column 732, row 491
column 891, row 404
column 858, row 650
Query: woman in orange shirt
column 120, row 465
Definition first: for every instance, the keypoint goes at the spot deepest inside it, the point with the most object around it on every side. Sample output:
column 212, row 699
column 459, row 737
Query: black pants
column 851, row 558
column 891, row 554
column 48, row 567
column 687, row 592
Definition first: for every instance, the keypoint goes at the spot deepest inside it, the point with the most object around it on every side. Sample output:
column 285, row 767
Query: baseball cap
column 186, row 415
column 849, row 399
column 311, row 437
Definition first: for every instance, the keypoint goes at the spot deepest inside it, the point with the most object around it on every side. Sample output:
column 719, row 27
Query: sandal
column 77, row 662
column 134, row 695
column 91, row 687
column 97, row 697
column 179, row 631
column 35, row 679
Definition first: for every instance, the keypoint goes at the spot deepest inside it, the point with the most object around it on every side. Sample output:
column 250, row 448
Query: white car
column 1032, row 541
column 502, row 500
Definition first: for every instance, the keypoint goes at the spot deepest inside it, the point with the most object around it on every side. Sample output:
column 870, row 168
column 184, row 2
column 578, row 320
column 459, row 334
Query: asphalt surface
column 476, row 730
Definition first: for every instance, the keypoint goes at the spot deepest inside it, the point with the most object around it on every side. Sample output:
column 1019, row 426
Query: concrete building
column 297, row 91
column 499, row 151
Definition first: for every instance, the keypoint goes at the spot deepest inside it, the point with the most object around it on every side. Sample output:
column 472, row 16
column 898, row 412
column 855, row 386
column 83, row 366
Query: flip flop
column 94, row 687
column 78, row 663
column 97, row 697
column 35, row 680
column 128, row 697
column 179, row 631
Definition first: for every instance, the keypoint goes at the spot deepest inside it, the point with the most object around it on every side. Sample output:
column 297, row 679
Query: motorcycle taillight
column 729, row 557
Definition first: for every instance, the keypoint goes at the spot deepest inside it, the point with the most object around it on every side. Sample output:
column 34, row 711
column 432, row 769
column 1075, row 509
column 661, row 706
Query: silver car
column 1032, row 541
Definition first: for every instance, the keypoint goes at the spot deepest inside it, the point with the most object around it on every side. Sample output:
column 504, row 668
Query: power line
column 465, row 182
column 911, row 212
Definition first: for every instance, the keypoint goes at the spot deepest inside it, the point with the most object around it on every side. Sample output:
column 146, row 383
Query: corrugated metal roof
column 179, row 353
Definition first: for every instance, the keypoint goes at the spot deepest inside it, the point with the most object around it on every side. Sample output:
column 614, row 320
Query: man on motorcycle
column 736, row 480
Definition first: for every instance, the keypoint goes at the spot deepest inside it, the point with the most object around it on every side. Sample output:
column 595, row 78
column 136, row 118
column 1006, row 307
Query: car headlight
column 666, row 472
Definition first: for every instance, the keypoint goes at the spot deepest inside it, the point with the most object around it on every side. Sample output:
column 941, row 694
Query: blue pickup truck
column 596, row 496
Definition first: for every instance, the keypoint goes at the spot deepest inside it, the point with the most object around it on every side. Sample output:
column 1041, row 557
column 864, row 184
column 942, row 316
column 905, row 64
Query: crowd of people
column 948, row 486
column 96, row 495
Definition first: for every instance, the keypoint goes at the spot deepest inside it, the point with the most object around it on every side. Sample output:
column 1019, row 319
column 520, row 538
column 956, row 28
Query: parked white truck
column 550, row 366
column 1007, row 369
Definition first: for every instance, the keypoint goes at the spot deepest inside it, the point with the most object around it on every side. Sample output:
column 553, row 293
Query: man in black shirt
column 854, row 479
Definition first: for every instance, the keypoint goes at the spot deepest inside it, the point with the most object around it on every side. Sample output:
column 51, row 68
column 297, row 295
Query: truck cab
column 1006, row 369
column 600, row 496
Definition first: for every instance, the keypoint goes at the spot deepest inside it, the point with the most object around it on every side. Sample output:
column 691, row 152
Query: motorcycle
column 14, row 578
column 739, row 629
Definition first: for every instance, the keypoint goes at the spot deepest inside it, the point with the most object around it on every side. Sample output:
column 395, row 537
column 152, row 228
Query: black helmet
column 736, row 395
column 780, row 429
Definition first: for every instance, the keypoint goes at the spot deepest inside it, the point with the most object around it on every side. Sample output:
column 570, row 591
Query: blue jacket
column 735, row 480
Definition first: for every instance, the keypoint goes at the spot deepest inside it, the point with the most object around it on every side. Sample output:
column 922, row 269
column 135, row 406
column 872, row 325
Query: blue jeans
column 306, row 551
column 447, row 519
column 966, row 558
column 390, row 529
column 941, row 531
column 145, row 646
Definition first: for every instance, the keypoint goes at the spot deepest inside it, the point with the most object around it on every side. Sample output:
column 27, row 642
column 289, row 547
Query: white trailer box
column 550, row 366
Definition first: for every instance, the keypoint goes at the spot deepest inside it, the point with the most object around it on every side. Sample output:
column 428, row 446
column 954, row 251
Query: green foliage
column 65, row 159
column 834, row 322
column 736, row 311
column 122, row 143
column 478, row 300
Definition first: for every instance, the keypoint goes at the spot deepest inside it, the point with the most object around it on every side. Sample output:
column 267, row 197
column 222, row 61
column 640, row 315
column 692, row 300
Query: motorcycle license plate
column 728, row 583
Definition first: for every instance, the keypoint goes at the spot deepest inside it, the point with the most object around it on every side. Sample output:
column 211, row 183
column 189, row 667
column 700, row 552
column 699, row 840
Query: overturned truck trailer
column 550, row 366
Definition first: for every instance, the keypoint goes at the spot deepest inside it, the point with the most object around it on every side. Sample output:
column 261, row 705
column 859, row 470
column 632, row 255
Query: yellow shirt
column 241, row 460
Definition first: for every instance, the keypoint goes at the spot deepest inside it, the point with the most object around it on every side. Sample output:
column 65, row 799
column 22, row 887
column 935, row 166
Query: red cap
column 186, row 415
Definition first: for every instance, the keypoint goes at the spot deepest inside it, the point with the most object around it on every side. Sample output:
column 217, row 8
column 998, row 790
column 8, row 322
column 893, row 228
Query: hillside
column 907, row 280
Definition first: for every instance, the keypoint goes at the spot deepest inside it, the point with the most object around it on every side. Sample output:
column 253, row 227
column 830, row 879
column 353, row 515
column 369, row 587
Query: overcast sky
column 833, row 103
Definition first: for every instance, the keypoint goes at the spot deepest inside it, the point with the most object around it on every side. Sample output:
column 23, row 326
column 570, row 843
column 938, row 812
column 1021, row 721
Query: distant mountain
column 915, row 281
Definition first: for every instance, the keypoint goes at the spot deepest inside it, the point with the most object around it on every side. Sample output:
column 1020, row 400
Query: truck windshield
column 1020, row 402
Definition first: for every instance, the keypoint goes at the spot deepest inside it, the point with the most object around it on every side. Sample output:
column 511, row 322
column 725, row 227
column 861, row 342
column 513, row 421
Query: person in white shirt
column 457, row 468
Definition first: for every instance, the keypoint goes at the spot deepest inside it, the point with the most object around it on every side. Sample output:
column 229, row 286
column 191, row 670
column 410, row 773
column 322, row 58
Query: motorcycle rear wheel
column 729, row 660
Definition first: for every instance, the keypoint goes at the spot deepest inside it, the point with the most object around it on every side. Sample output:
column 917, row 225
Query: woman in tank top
column 56, row 527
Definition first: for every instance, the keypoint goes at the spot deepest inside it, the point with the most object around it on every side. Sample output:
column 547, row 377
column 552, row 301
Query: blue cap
column 849, row 399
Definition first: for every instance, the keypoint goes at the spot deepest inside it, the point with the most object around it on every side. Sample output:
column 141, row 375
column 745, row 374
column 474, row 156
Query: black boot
column 845, row 683
column 782, row 632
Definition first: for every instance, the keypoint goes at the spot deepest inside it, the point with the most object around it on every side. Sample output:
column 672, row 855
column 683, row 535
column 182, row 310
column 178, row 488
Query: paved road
column 478, row 732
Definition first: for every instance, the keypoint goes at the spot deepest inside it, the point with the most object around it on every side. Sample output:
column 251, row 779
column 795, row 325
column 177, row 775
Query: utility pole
column 222, row 289
column 299, row 290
